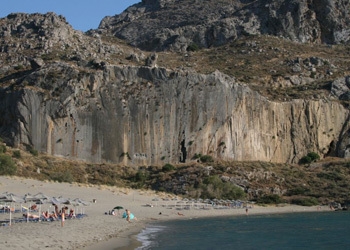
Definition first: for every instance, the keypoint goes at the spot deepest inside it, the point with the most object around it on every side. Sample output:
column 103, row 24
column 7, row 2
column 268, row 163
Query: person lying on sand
column 31, row 216
column 180, row 214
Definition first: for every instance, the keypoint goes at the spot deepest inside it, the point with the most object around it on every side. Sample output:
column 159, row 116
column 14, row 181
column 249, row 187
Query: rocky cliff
column 176, row 24
column 89, row 97
column 144, row 116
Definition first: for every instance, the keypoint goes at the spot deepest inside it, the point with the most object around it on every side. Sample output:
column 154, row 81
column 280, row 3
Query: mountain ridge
column 176, row 24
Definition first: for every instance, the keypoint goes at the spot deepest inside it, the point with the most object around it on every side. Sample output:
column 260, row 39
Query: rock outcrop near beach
column 176, row 24
column 91, row 97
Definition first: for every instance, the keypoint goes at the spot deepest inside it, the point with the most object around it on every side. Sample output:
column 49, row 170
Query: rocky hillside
column 176, row 24
column 92, row 97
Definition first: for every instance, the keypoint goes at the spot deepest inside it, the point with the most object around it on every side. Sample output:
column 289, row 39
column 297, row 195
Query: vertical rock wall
column 144, row 116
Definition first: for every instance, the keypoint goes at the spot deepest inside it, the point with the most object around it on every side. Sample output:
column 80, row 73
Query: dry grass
column 262, row 61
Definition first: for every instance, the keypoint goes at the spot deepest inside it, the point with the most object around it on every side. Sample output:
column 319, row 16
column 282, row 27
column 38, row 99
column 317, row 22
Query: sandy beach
column 98, row 229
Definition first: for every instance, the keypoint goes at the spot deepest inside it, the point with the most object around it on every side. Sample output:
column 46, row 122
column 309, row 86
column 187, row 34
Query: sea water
column 319, row 230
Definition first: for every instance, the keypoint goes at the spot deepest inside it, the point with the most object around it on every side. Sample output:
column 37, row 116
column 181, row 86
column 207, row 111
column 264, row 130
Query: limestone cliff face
column 143, row 116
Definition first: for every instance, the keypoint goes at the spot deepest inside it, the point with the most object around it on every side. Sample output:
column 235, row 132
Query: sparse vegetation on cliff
column 263, row 182
column 7, row 166
column 310, row 157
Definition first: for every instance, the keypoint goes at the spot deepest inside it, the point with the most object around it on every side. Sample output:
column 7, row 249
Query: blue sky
column 81, row 14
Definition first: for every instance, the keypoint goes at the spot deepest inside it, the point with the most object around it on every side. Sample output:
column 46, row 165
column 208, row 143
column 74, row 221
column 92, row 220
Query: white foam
column 147, row 236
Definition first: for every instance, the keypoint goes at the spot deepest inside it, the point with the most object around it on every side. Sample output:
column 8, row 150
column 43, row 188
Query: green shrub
column 298, row 191
column 310, row 157
column 305, row 160
column 313, row 156
column 7, row 165
column 308, row 201
column 206, row 158
column 193, row 47
column 140, row 179
column 141, row 176
column 16, row 154
column 63, row 177
column 215, row 180
column 270, row 199
column 2, row 148
column 332, row 176
column 231, row 191
column 213, row 187
column 32, row 150
column 168, row 167
column 196, row 156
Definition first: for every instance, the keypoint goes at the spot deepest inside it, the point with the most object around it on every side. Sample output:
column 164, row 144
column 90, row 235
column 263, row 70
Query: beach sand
column 98, row 230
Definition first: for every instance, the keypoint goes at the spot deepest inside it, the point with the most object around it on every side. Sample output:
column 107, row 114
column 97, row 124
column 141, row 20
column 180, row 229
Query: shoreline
column 131, row 242
column 125, row 240
column 98, row 229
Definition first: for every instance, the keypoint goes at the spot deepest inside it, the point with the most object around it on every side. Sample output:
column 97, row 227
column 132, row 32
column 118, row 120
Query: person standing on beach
column 127, row 215
column 63, row 216
column 56, row 210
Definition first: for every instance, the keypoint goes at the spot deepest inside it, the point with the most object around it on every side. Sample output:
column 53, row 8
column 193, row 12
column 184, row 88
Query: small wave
column 147, row 236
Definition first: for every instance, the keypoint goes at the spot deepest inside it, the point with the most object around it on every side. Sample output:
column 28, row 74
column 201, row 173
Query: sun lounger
column 80, row 216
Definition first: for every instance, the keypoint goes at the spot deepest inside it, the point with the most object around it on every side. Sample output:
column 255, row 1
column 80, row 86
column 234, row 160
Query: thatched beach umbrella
column 12, row 199
column 77, row 202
